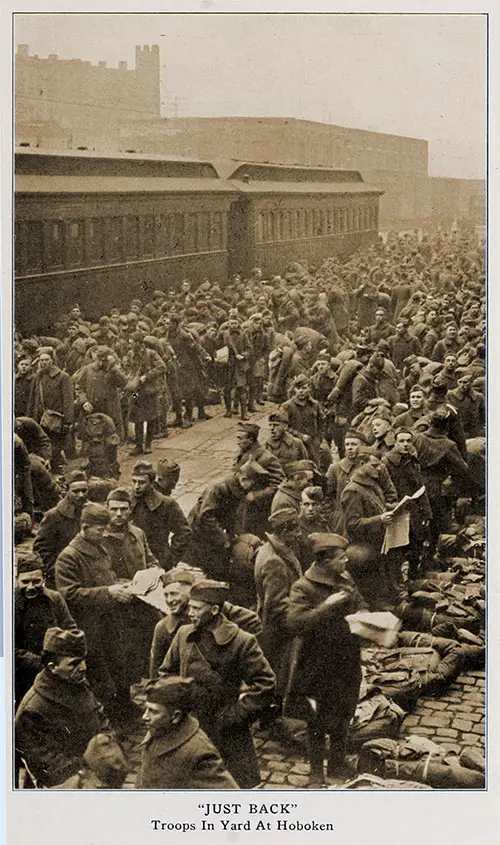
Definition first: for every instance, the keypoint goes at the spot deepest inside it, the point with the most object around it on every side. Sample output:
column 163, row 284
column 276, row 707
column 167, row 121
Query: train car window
column 259, row 228
column 275, row 226
column 20, row 242
column 148, row 235
column 190, row 233
column 131, row 236
column 286, row 232
column 266, row 226
column 114, row 242
column 216, row 231
column 203, row 231
column 32, row 246
column 75, row 242
column 95, row 240
column 292, row 218
column 54, row 243
column 163, row 244
column 177, row 233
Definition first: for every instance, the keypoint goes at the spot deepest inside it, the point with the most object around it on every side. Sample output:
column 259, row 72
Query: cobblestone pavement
column 205, row 453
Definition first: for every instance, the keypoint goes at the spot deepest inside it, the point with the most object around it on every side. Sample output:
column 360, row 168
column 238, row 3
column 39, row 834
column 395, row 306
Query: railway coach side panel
column 312, row 228
column 102, row 250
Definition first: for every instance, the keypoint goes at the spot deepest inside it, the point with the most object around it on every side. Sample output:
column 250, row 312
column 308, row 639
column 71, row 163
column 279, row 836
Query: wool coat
column 220, row 661
column 57, row 528
column 276, row 569
column 54, row 723
column 182, row 758
column 164, row 525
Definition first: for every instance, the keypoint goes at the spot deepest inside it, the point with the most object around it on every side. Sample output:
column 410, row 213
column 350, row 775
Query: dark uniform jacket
column 220, row 660
column 254, row 513
column 159, row 517
column 54, row 724
column 287, row 449
column 32, row 617
column 57, row 529
column 406, row 475
column 52, row 390
column 167, row 628
column 276, row 569
column 327, row 665
column 183, row 758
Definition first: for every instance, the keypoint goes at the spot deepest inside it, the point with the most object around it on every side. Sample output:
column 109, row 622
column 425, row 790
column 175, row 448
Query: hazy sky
column 416, row 75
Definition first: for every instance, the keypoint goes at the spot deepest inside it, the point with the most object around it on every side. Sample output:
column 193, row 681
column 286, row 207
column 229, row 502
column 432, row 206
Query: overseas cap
column 354, row 433
column 65, row 643
column 95, row 514
column 282, row 516
column 103, row 755
column 77, row 476
column 327, row 542
column 299, row 466
column 213, row 592
column 28, row 562
column 249, row 428
column 172, row 691
column 167, row 468
column 179, row 576
column 252, row 469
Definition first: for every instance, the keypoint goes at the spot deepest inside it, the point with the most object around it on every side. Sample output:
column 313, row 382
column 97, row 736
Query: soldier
column 59, row 714
column 220, row 657
column 283, row 445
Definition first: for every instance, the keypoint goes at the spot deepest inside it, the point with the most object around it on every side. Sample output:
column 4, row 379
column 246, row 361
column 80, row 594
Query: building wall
column 457, row 199
column 395, row 164
column 86, row 101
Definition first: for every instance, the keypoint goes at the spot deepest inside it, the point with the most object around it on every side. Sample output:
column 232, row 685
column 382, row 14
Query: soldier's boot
column 316, row 750
column 244, row 406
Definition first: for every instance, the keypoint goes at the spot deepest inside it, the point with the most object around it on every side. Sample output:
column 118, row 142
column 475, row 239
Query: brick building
column 64, row 103
column 396, row 164
column 457, row 200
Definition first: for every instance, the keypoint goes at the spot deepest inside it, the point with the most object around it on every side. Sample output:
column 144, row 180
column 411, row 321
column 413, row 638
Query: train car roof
column 268, row 172
column 90, row 162
column 28, row 184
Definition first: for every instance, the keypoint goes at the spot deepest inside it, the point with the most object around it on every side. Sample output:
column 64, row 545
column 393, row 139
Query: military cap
column 212, row 592
column 119, row 494
column 282, row 516
column 136, row 302
column 327, row 542
column 382, row 414
column 323, row 356
column 252, row 469
column 103, row 755
column 95, row 514
column 144, row 468
column 65, row 643
column 166, row 468
column 171, row 691
column 46, row 350
column 439, row 383
column 75, row 477
column 158, row 294
column 28, row 562
column 354, row 433
column 299, row 466
column 249, row 428
column 315, row 494
column 179, row 576
column 279, row 416
column 301, row 379
column 138, row 337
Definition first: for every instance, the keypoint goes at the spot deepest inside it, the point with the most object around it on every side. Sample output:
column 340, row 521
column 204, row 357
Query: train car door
column 240, row 238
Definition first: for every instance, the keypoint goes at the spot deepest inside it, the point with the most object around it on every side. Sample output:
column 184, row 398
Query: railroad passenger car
column 102, row 229
column 290, row 213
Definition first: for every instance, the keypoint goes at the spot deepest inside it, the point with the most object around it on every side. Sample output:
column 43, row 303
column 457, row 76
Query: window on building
column 95, row 240
column 163, row 243
column 75, row 237
column 114, row 244
column 177, row 233
column 204, row 231
column 131, row 236
column 54, row 243
column 148, row 235
column 190, row 233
